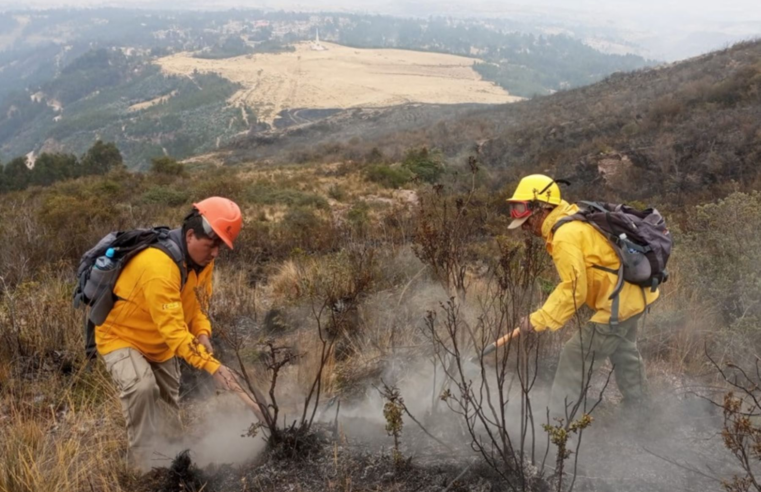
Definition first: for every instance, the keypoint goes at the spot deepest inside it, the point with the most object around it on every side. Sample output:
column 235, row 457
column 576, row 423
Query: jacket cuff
column 541, row 321
column 203, row 331
column 211, row 366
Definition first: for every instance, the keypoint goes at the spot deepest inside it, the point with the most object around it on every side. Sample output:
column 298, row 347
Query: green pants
column 587, row 350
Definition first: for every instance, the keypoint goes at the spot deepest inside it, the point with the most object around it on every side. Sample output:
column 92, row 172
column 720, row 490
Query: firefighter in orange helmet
column 158, row 316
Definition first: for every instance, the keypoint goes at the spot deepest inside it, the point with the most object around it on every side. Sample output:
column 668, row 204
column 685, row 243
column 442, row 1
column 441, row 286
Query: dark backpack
column 640, row 239
column 95, row 286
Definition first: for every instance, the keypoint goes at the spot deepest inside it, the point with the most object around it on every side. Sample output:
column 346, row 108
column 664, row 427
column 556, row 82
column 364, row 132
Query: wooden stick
column 502, row 341
column 250, row 403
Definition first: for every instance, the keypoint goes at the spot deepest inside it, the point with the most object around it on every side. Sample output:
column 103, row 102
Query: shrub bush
column 388, row 176
column 338, row 193
column 267, row 193
column 424, row 164
column 724, row 259
column 167, row 166
column 164, row 195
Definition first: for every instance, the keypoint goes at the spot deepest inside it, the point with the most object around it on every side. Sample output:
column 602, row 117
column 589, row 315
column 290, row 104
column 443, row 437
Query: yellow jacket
column 154, row 317
column 575, row 248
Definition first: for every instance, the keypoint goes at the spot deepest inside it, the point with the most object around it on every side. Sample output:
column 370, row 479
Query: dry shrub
column 286, row 282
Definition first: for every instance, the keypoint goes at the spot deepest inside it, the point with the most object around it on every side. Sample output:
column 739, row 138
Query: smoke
column 218, row 436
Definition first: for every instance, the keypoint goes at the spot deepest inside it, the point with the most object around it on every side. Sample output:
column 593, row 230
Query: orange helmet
column 223, row 216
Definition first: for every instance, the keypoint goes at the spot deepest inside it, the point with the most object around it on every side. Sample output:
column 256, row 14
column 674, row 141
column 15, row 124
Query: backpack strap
column 595, row 206
column 614, row 308
column 569, row 218
column 175, row 252
column 614, row 296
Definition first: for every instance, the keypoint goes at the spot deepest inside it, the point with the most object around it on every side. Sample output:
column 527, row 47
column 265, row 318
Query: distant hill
column 668, row 134
column 71, row 77
column 331, row 76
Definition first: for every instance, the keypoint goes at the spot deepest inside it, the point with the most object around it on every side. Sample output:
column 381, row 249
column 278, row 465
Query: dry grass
column 61, row 427
column 62, row 441
column 343, row 77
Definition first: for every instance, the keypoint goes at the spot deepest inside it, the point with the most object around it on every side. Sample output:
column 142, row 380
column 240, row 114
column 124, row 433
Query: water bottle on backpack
column 103, row 275
column 106, row 262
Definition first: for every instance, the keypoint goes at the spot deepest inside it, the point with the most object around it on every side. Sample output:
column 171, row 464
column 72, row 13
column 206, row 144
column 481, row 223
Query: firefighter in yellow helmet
column 587, row 266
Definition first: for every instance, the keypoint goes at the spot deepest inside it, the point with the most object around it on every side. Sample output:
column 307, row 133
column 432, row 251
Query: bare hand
column 204, row 340
column 525, row 325
column 225, row 378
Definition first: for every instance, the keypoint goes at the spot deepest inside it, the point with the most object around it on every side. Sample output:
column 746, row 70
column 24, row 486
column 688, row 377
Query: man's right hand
column 225, row 378
column 525, row 325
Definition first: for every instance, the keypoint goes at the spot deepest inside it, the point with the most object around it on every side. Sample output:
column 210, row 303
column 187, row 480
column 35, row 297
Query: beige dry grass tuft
column 62, row 441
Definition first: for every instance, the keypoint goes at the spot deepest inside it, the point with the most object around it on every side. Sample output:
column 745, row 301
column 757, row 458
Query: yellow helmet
column 537, row 187
column 532, row 189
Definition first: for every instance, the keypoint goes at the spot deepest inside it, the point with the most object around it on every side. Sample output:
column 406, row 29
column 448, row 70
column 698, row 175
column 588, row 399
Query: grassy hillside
column 107, row 95
column 668, row 134
column 368, row 281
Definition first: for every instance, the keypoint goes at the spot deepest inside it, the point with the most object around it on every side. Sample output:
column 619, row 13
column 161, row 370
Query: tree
column 17, row 175
column 101, row 158
column 167, row 166
column 49, row 168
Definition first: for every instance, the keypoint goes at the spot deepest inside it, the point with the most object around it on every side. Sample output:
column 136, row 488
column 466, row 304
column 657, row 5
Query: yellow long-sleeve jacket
column 575, row 248
column 153, row 316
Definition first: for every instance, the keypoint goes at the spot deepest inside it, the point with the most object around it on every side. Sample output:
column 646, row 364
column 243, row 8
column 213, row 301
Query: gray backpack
column 640, row 239
column 99, row 269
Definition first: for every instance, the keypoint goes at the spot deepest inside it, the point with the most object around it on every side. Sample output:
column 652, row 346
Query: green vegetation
column 423, row 164
column 167, row 166
column 228, row 48
column 724, row 246
column 50, row 168
column 389, row 176
column 266, row 193
column 99, row 92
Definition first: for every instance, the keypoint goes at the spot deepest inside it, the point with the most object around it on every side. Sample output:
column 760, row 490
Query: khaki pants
column 149, row 394
column 587, row 350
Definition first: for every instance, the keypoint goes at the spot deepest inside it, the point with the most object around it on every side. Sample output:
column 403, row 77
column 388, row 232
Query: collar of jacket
column 564, row 209
column 178, row 237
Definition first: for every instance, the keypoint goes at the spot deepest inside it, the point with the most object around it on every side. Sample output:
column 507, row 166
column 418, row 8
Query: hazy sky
column 663, row 29
column 732, row 10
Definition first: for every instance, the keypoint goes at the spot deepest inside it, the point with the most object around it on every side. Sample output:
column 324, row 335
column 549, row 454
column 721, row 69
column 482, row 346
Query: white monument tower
column 316, row 45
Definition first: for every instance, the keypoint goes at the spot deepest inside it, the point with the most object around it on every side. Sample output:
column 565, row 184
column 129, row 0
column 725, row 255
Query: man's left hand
column 204, row 340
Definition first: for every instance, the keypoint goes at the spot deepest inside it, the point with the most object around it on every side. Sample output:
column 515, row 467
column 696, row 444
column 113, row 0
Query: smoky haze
column 661, row 30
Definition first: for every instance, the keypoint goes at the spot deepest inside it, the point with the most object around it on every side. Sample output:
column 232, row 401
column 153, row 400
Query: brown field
column 342, row 77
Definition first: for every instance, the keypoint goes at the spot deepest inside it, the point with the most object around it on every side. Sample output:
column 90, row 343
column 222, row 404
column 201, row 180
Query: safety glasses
column 210, row 232
column 207, row 228
column 520, row 210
